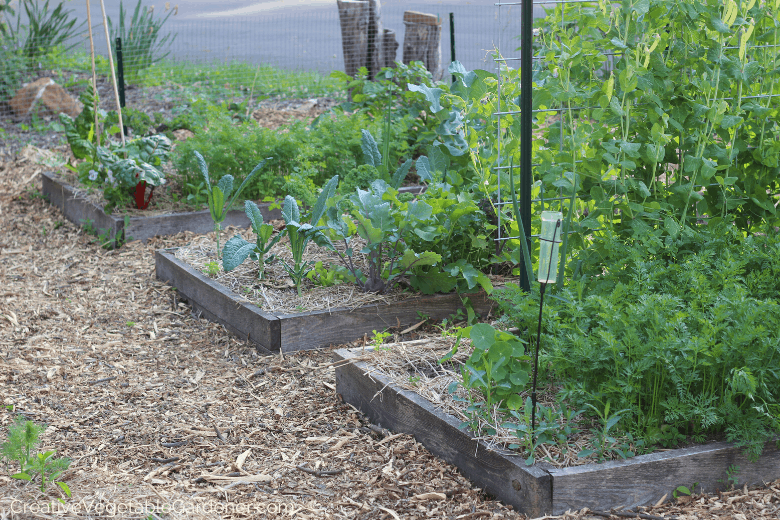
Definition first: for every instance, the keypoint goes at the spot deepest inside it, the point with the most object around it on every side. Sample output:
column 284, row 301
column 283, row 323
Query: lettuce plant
column 218, row 196
column 237, row 249
column 300, row 233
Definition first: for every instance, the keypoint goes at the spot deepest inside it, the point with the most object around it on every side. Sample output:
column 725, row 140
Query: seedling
column 379, row 339
column 603, row 443
column 198, row 194
column 732, row 475
column 684, row 490
column 23, row 439
column 237, row 249
column 212, row 268
column 301, row 233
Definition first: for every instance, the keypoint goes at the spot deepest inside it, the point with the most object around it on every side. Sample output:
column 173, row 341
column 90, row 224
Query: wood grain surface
column 306, row 330
column 217, row 303
column 643, row 480
column 78, row 210
column 317, row 329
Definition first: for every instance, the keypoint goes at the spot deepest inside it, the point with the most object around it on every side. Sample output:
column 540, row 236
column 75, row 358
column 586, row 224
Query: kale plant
column 300, row 233
column 238, row 249
column 219, row 198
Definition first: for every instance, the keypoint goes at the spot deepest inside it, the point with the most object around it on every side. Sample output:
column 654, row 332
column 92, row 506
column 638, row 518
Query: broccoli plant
column 383, row 222
column 237, row 249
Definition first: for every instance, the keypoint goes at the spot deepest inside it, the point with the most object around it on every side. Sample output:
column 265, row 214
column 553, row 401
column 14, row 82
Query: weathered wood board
column 80, row 211
column 306, row 330
column 540, row 489
column 529, row 489
column 643, row 480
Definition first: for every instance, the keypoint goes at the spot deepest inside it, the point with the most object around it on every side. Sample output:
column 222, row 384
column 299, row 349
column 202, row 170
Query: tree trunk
column 389, row 48
column 362, row 36
column 422, row 41
column 354, row 15
column 375, row 39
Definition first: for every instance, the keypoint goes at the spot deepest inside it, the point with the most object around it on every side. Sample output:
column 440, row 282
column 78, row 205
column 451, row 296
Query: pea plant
column 681, row 123
column 219, row 198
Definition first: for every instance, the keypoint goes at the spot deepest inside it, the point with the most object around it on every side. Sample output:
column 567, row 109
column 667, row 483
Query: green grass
column 208, row 80
column 262, row 80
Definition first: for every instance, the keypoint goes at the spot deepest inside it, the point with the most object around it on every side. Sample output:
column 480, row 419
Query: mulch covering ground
column 168, row 416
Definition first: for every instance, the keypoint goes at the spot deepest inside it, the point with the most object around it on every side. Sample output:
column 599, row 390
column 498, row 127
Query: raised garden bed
column 119, row 229
column 540, row 489
column 277, row 332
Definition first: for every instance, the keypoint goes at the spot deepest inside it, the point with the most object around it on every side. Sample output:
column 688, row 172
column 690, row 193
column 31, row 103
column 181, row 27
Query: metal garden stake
column 548, row 272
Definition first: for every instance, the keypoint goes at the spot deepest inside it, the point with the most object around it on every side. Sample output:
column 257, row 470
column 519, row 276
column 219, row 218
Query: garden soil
column 165, row 415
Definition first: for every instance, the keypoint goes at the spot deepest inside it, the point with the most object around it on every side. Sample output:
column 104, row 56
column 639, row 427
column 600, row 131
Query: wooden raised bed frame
column 540, row 489
column 80, row 211
column 305, row 330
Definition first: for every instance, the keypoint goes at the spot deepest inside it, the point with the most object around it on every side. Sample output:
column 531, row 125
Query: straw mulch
column 275, row 292
column 414, row 366
column 168, row 416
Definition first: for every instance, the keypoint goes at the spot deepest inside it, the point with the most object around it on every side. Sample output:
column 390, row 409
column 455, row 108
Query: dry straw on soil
column 275, row 292
column 155, row 406
column 414, row 366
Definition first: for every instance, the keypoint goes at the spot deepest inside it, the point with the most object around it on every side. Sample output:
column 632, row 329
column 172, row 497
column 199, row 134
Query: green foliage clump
column 389, row 96
column 46, row 28
column 683, row 121
column 234, row 149
column 142, row 43
column 302, row 157
column 21, row 445
column 360, row 177
column 680, row 332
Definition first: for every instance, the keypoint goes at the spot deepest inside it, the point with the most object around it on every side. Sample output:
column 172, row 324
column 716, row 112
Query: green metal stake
column 452, row 41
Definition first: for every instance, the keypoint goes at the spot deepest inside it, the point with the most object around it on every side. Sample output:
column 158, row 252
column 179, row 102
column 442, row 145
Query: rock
column 49, row 94
column 182, row 134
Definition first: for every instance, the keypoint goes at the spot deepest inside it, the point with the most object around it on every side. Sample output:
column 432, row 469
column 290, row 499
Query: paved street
column 296, row 34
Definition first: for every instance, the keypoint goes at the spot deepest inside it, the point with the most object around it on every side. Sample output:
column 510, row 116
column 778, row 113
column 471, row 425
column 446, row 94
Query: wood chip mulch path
column 168, row 416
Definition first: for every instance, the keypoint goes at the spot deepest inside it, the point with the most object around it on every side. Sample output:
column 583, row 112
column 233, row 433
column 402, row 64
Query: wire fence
column 260, row 46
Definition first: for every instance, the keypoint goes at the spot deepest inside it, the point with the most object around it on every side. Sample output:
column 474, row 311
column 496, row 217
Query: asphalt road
column 305, row 35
